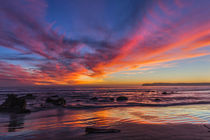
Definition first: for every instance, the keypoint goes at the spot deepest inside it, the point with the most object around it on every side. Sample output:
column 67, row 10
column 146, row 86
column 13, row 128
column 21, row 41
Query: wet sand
column 131, row 131
column 134, row 122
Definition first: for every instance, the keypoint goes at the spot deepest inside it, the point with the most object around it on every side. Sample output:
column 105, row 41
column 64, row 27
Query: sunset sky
column 70, row 42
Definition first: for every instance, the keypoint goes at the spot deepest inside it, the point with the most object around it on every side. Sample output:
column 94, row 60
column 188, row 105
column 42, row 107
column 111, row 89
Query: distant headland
column 176, row 84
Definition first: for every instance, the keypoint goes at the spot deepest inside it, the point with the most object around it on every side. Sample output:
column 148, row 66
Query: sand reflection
column 75, row 120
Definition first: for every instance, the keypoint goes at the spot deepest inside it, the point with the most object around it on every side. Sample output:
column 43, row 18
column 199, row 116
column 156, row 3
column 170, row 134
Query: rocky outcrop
column 157, row 100
column 13, row 104
column 102, row 99
column 165, row 93
column 55, row 96
column 94, row 99
column 106, row 99
column 58, row 101
column 29, row 96
column 122, row 98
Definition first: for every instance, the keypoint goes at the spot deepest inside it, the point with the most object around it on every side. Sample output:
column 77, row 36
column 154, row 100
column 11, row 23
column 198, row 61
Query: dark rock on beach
column 29, row 96
column 93, row 99
column 157, row 100
column 106, row 99
column 122, row 98
column 59, row 101
column 55, row 96
column 90, row 130
column 111, row 99
column 147, row 91
column 102, row 99
column 13, row 104
column 165, row 93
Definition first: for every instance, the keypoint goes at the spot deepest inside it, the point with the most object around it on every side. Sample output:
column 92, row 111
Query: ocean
column 78, row 97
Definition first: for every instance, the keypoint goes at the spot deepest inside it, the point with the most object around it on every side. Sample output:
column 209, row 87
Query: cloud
column 153, row 33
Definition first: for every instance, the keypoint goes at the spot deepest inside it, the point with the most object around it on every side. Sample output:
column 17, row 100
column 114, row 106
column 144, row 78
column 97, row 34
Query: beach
column 142, row 112
column 169, row 123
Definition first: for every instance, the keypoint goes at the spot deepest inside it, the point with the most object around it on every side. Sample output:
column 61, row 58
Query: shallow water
column 73, row 121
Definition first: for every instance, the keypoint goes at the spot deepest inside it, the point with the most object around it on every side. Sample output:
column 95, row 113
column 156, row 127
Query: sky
column 82, row 42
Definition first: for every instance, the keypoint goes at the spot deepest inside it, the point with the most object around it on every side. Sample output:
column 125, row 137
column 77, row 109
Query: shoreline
column 135, row 105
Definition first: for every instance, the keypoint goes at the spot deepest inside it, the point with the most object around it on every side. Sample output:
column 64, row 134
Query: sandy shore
column 65, row 124
column 129, row 131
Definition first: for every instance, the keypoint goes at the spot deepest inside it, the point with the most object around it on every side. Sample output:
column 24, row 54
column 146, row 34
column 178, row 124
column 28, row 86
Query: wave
column 134, row 105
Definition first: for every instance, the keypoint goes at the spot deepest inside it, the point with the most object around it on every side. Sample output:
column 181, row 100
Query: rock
column 122, row 98
column 58, row 102
column 102, row 99
column 94, row 99
column 55, row 96
column 149, row 91
column 48, row 100
column 157, row 100
column 13, row 104
column 29, row 96
column 42, row 105
column 106, row 99
column 90, row 130
column 164, row 93
column 111, row 99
